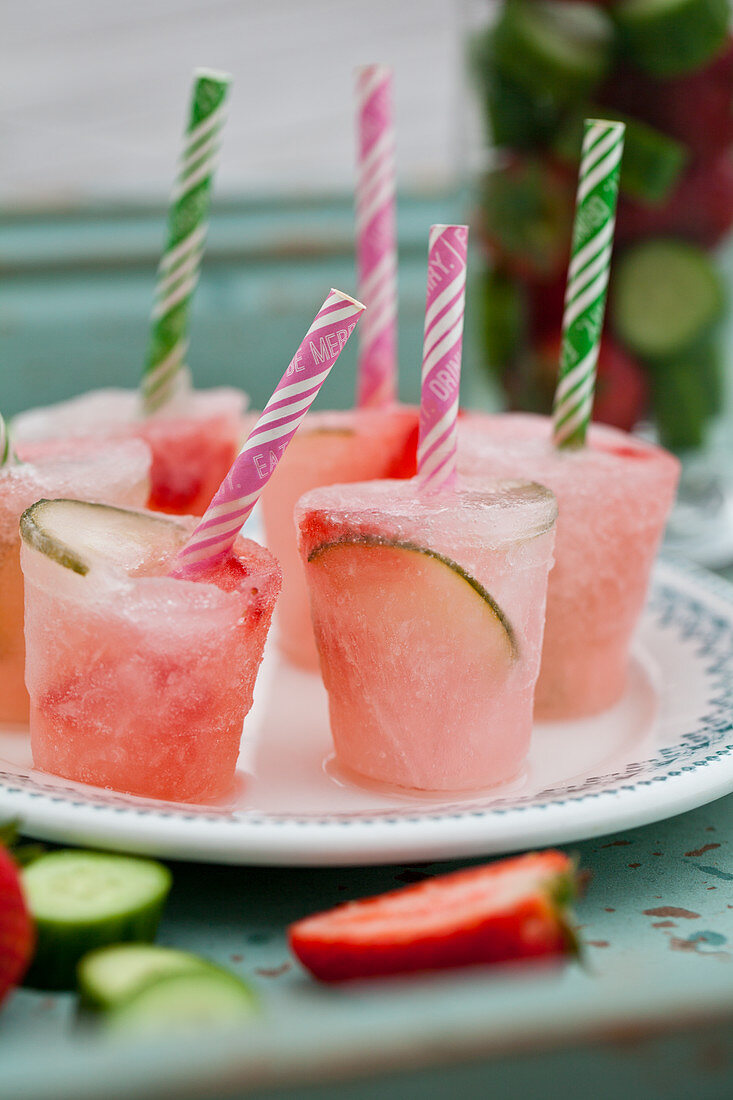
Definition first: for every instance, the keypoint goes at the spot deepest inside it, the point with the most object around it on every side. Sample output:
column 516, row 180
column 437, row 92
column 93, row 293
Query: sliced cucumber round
column 76, row 533
column 666, row 296
column 185, row 1001
column 668, row 37
column 382, row 562
column 109, row 976
column 652, row 162
column 553, row 48
column 83, row 900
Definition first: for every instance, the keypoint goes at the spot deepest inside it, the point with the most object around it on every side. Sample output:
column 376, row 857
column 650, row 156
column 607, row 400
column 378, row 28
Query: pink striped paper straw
column 376, row 238
column 214, row 537
column 441, row 356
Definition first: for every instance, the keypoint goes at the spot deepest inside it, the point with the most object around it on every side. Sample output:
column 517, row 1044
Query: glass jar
column 538, row 68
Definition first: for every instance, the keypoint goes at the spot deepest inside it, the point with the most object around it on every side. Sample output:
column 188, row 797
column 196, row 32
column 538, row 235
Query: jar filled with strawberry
column 665, row 68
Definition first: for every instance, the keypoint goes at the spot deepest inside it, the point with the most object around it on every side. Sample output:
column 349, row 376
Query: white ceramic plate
column 665, row 748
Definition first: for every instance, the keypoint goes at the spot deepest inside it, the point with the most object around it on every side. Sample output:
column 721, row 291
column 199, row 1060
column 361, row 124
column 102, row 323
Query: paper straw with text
column 214, row 537
column 376, row 238
column 441, row 363
column 585, row 295
column 188, row 214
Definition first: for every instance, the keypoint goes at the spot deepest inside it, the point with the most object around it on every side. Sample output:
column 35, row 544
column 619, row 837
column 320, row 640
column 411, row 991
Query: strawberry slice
column 17, row 937
column 514, row 909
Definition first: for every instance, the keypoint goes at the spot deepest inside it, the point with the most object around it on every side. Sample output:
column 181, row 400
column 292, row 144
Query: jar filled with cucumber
column 664, row 67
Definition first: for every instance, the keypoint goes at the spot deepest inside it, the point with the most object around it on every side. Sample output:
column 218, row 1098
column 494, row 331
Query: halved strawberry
column 17, row 935
column 514, row 909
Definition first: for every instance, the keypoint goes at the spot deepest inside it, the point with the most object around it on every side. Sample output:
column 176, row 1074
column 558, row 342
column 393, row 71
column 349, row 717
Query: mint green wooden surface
column 651, row 1012
column 646, row 975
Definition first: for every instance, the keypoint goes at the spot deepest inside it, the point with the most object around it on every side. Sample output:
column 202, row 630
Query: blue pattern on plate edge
column 690, row 618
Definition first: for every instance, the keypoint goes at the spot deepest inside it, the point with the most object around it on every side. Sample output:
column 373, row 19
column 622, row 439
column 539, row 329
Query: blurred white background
column 95, row 92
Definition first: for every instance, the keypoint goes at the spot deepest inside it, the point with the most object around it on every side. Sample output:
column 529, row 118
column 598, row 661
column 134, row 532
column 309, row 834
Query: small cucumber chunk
column 669, row 37
column 83, row 900
column 111, row 975
column 666, row 296
column 553, row 48
column 76, row 533
column 516, row 118
column 688, row 392
column 184, row 1002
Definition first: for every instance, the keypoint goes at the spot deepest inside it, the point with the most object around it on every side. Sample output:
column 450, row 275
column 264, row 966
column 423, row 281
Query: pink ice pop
column 441, row 364
column 376, row 238
column 214, row 537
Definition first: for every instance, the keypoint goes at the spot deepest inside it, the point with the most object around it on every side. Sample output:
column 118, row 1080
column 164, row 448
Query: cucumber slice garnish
column 553, row 48
column 652, row 162
column 83, row 900
column 668, row 37
column 666, row 296
column 185, row 1001
column 381, row 563
column 109, row 976
column 76, row 534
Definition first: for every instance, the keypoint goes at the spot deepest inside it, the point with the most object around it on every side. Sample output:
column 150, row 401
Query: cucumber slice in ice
column 76, row 533
column 185, row 1001
column 111, row 975
column 83, row 900
column 553, row 48
column 407, row 580
column 668, row 37
column 652, row 161
column 666, row 296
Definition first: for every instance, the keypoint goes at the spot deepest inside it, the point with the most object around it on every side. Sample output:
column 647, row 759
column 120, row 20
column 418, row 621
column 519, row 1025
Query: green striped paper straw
column 585, row 295
column 8, row 456
column 187, row 224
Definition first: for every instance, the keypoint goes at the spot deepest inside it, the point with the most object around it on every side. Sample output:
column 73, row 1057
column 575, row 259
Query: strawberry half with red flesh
column 506, row 911
column 17, row 936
